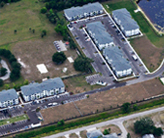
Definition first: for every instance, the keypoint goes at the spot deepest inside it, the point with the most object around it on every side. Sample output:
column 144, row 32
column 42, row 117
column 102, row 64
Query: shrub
column 43, row 10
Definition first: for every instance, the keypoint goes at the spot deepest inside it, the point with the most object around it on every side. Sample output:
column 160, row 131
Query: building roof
column 116, row 59
column 113, row 135
column 94, row 134
column 126, row 20
column 100, row 33
column 34, row 88
column 148, row 136
column 7, row 95
column 76, row 11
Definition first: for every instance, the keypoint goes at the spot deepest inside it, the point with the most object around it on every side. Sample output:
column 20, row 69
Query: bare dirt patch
column 73, row 135
column 112, row 128
column 104, row 100
column 40, row 51
column 83, row 134
column 150, row 54
column 57, row 113
column 115, row 97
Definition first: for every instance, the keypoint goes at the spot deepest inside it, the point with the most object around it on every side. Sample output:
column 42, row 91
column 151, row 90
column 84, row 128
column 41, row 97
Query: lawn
column 13, row 119
column 29, row 47
column 78, row 84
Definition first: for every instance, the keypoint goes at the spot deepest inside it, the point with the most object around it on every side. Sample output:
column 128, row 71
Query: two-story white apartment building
column 49, row 87
column 90, row 9
column 8, row 98
column 120, row 66
column 99, row 34
column 128, row 25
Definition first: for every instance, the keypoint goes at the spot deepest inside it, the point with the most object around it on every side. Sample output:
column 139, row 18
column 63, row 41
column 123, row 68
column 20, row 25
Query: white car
column 54, row 103
column 134, row 57
column 50, row 104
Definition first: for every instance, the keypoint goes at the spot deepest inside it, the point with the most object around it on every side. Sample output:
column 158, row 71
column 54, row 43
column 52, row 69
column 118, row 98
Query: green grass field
column 21, row 16
column 13, row 120
column 142, row 22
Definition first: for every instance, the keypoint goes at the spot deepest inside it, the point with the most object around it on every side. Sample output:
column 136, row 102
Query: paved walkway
column 4, row 65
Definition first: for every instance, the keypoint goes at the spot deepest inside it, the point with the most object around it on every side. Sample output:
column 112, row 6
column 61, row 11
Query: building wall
column 85, row 14
column 9, row 103
column 132, row 32
column 123, row 73
column 129, row 32
column 43, row 94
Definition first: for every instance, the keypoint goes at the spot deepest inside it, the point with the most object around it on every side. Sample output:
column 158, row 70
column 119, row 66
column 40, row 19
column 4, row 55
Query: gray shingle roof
column 116, row 59
column 100, row 33
column 126, row 20
column 76, row 11
column 7, row 95
column 34, row 88
column 94, row 134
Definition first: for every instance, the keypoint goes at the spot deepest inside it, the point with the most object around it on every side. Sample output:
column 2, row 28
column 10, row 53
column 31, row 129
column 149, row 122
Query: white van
column 134, row 57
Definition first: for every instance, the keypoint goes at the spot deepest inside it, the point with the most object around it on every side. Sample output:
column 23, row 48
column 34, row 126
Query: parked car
column 134, row 57
column 50, row 104
column 54, row 103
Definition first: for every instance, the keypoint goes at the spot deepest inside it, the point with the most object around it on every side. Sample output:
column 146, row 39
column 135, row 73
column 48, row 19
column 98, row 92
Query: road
column 117, row 121
column 4, row 65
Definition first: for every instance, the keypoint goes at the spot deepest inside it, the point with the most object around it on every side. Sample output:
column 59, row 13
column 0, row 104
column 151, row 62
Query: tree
column 43, row 10
column 126, row 107
column 2, row 4
column 1, row 82
column 59, row 57
column 106, row 132
column 15, row 31
column 82, row 64
column 3, row 71
column 72, row 44
column 15, row 74
column 158, row 131
column 128, row 135
column 135, row 107
column 146, row 126
column 61, row 123
column 44, row 32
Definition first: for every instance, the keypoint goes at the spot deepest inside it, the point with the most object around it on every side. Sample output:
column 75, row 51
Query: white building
column 49, row 87
column 90, row 9
column 120, row 66
column 8, row 98
column 99, row 34
column 128, row 25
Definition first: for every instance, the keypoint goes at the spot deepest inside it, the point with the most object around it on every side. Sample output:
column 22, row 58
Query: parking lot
column 87, row 46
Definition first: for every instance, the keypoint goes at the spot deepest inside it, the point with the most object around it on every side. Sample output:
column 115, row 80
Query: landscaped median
column 13, row 120
column 88, row 120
